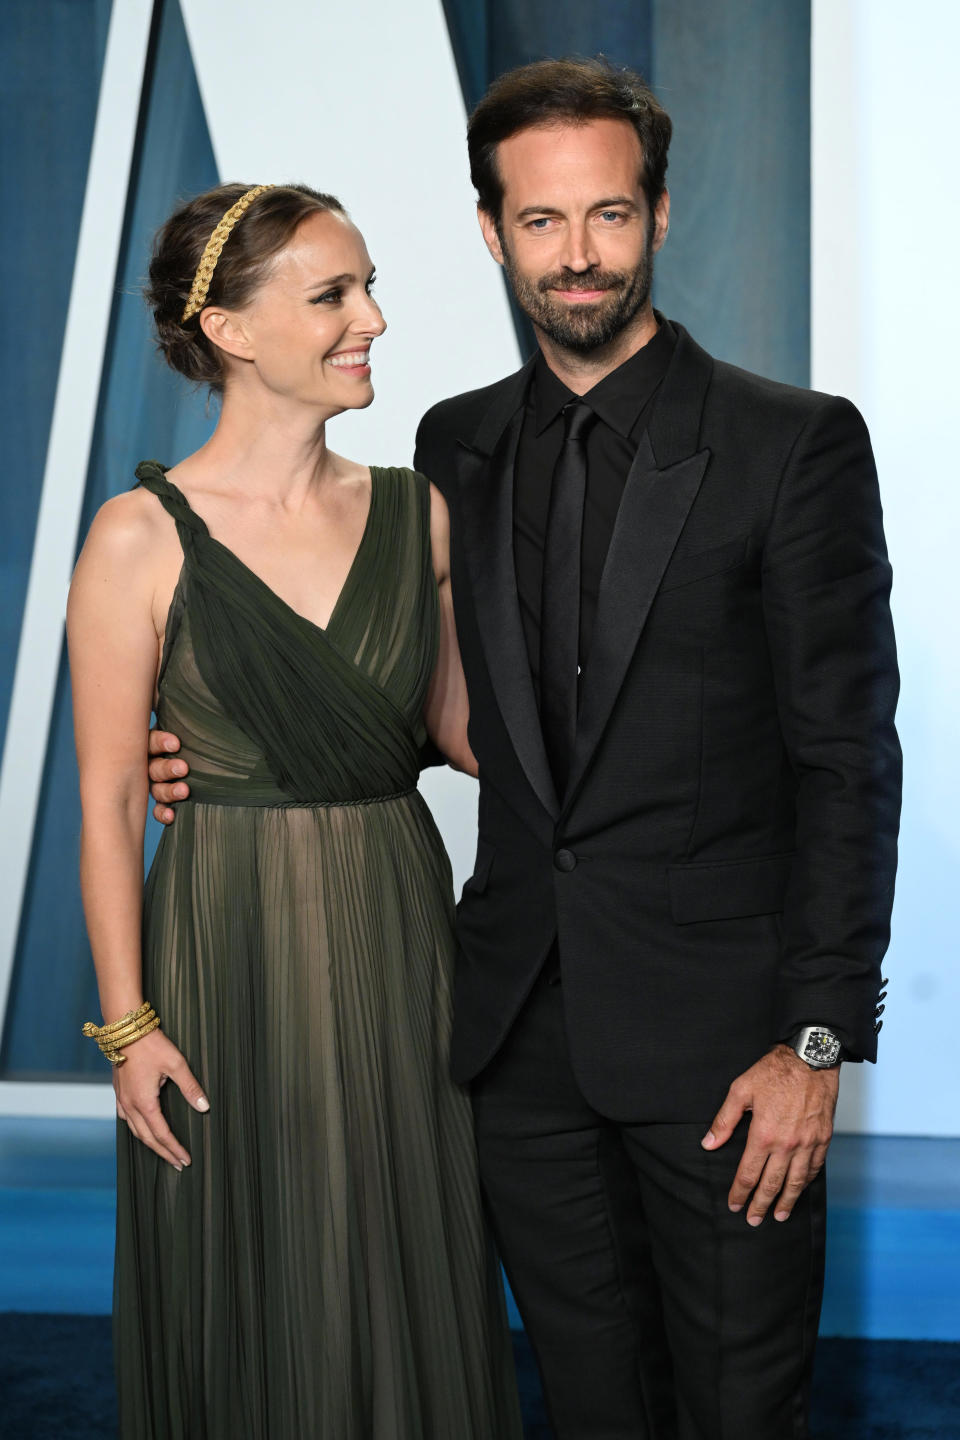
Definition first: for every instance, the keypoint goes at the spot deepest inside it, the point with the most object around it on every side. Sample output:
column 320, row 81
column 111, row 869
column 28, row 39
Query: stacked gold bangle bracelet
column 114, row 1037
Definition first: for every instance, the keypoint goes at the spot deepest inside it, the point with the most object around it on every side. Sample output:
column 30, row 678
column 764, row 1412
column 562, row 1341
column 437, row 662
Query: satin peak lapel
column 652, row 513
column 486, row 508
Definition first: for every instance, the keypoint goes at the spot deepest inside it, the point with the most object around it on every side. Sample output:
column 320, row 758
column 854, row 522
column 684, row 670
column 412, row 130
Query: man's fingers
column 767, row 1189
column 749, row 1171
column 726, row 1120
column 165, row 768
column 804, row 1168
column 161, row 742
column 169, row 794
column 818, row 1159
column 799, row 1175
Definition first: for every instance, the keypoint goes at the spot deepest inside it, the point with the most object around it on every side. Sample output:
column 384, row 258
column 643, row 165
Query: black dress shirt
column 622, row 401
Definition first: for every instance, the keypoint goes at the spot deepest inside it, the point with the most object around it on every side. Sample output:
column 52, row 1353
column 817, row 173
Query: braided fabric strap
column 211, row 254
column 119, row 1033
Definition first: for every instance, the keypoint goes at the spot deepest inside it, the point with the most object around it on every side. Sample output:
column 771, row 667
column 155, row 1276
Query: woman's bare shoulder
column 128, row 531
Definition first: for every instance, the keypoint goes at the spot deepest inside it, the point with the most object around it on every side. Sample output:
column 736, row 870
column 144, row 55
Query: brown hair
column 258, row 235
column 573, row 90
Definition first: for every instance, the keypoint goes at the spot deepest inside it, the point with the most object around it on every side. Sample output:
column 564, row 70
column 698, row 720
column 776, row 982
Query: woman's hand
column 149, row 1064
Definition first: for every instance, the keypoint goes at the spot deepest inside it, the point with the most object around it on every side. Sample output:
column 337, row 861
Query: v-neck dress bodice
column 272, row 709
column 321, row 1271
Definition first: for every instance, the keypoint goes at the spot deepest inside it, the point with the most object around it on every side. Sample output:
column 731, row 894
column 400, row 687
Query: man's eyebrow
column 529, row 210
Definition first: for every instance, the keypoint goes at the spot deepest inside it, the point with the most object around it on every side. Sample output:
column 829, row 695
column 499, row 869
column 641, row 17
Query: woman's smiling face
column 308, row 329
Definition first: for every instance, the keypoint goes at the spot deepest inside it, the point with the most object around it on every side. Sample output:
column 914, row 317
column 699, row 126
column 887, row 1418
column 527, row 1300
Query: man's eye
column 611, row 215
column 539, row 224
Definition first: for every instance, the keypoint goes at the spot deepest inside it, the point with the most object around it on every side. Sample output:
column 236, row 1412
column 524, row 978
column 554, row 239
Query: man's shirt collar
column 620, row 397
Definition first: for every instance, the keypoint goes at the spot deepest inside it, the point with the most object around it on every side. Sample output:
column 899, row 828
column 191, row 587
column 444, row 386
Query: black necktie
column 560, row 597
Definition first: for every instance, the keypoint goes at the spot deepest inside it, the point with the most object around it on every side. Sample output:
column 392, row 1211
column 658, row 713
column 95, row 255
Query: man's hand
column 166, row 774
column 790, row 1131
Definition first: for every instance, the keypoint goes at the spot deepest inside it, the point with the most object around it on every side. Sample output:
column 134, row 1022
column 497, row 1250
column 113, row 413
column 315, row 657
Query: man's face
column 576, row 235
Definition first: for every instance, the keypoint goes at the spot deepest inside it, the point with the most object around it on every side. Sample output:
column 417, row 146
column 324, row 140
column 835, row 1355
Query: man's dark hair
column 557, row 91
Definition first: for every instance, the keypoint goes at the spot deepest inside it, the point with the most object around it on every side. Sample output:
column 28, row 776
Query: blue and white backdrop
column 814, row 201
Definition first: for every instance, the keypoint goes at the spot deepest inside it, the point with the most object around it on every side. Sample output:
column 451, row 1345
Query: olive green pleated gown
column 321, row 1271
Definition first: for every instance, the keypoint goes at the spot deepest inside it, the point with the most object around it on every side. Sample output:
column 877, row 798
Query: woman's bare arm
column 113, row 645
column 447, row 709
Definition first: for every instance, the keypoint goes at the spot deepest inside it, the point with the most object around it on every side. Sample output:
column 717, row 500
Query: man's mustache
column 587, row 280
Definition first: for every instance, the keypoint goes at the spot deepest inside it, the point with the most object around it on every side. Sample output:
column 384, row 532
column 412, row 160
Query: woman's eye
column 329, row 297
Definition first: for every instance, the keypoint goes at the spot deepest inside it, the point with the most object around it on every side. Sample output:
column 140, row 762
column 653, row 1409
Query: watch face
column 821, row 1048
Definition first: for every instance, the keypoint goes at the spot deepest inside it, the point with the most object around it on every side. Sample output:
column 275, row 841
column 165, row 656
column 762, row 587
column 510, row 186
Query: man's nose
column 579, row 251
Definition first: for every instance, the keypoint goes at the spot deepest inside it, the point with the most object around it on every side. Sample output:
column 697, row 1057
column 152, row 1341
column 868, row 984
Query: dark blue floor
column 884, row 1369
column 56, row 1384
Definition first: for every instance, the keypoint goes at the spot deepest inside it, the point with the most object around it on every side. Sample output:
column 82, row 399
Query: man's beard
column 583, row 328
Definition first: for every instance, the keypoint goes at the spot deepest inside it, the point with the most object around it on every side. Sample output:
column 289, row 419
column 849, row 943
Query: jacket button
column 565, row 860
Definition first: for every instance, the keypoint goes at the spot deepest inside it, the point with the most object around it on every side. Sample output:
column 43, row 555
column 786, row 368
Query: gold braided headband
column 210, row 256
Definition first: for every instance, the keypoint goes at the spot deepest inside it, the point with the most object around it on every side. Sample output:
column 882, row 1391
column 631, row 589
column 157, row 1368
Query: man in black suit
column 671, row 593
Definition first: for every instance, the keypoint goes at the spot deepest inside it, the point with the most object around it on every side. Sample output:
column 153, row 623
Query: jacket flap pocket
column 687, row 568
column 728, row 889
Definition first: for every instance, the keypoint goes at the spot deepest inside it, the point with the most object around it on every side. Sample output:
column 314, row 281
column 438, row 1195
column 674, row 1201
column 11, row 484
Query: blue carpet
column 893, row 1280
column 56, row 1384
column 893, row 1246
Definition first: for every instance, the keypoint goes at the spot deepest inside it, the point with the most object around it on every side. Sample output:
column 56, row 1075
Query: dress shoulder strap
column 190, row 527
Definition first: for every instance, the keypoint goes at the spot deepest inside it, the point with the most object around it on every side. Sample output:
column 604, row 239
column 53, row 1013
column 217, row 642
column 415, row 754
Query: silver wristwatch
column 818, row 1046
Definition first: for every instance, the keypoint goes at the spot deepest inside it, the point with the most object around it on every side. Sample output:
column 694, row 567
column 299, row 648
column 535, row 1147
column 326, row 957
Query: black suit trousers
column 654, row 1312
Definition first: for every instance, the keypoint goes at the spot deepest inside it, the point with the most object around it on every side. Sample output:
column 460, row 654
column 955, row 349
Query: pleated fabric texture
column 322, row 1270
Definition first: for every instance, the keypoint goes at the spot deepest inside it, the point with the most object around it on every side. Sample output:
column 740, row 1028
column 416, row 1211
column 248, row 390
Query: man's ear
column 489, row 227
column 226, row 330
column 661, row 219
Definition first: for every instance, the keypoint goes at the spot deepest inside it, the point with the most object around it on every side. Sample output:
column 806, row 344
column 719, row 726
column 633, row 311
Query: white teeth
column 360, row 357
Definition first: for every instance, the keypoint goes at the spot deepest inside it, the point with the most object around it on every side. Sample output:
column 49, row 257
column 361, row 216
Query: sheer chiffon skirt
column 321, row 1269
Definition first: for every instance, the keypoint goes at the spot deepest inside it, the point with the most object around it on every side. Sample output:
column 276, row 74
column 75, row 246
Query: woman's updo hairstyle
column 260, row 233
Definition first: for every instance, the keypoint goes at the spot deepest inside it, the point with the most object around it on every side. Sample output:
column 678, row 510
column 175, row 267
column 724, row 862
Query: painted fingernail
column 178, row 1168
column 203, row 1103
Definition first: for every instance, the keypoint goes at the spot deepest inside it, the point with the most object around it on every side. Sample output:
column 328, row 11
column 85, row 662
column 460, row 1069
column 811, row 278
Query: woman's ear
column 226, row 330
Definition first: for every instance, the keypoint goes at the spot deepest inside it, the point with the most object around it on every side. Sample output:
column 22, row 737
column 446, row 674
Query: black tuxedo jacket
column 720, row 870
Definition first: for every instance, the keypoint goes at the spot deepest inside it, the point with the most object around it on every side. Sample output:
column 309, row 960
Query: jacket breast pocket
column 688, row 568
column 483, row 864
column 728, row 889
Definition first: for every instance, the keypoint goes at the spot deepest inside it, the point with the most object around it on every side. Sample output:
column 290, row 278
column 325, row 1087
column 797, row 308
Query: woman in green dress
column 301, row 1253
